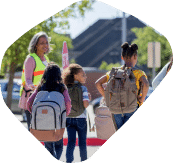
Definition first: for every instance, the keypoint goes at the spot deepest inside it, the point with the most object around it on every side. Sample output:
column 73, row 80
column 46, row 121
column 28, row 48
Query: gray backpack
column 121, row 91
column 48, row 116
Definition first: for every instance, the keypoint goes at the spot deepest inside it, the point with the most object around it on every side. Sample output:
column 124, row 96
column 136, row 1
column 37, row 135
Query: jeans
column 79, row 125
column 120, row 119
column 55, row 148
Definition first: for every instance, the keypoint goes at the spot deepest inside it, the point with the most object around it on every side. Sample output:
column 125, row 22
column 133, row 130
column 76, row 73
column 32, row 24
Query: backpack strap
column 113, row 71
column 27, row 91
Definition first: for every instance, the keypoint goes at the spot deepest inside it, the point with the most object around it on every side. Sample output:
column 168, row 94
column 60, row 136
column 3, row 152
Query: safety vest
column 38, row 71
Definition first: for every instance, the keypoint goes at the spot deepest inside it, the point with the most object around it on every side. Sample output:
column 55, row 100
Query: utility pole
column 154, row 61
column 124, row 34
column 154, row 56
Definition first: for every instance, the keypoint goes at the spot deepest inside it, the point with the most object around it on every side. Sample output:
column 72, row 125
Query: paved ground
column 90, row 149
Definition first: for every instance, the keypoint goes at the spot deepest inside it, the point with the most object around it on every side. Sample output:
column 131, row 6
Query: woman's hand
column 32, row 87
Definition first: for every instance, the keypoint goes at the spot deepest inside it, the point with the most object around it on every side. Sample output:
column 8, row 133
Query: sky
column 100, row 11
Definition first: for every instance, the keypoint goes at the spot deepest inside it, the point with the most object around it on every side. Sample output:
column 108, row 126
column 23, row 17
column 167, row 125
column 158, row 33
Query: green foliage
column 17, row 52
column 148, row 34
column 77, row 9
column 108, row 67
column 72, row 61
column 57, row 44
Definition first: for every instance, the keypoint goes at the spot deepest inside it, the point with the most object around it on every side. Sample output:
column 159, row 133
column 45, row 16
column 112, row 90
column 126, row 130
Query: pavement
column 93, row 143
column 90, row 151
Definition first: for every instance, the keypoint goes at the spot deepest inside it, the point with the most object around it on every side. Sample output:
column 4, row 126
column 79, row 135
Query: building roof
column 102, row 42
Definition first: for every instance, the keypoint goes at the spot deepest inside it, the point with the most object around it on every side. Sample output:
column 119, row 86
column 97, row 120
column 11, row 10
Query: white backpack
column 48, row 116
column 105, row 124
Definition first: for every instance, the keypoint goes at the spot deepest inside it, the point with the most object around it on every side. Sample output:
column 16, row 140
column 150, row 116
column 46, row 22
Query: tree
column 75, row 10
column 17, row 52
column 108, row 67
column 148, row 34
column 56, row 43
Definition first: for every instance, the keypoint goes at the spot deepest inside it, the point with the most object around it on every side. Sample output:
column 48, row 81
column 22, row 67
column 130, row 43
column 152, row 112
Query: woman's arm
column 99, row 85
column 67, row 101
column 29, row 69
column 145, row 87
column 30, row 101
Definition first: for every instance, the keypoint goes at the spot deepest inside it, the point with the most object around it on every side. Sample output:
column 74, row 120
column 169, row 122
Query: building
column 102, row 42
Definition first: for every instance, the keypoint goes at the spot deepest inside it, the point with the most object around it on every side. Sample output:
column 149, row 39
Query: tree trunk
column 10, row 84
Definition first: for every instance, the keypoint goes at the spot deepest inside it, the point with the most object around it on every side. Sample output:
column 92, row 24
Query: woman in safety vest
column 33, row 68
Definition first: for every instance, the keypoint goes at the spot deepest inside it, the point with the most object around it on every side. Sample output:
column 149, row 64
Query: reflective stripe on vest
column 36, row 73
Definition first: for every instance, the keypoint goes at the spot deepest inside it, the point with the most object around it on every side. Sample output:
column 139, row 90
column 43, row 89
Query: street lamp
column 124, row 35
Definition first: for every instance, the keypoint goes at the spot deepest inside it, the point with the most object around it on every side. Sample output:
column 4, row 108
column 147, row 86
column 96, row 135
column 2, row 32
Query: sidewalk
column 90, row 151
column 92, row 139
column 93, row 143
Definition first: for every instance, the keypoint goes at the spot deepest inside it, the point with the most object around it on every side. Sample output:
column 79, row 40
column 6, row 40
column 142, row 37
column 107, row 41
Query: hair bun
column 125, row 46
column 134, row 47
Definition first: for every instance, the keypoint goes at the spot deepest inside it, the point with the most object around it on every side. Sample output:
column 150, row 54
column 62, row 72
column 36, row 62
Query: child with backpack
column 74, row 77
column 123, row 94
column 52, row 89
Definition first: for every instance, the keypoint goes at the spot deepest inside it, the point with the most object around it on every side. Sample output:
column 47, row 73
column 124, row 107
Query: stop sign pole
column 65, row 59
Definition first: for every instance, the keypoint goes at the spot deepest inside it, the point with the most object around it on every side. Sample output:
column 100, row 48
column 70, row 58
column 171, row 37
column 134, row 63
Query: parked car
column 15, row 95
column 96, row 102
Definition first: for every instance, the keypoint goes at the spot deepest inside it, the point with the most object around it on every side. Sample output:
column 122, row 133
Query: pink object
column 29, row 66
column 29, row 69
column 65, row 60
column 66, row 99
column 89, row 141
